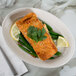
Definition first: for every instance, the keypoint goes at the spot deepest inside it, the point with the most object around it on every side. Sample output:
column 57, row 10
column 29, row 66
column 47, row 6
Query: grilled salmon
column 45, row 48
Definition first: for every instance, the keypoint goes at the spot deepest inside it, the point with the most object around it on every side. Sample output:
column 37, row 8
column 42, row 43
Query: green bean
column 58, row 53
column 48, row 27
column 54, row 33
column 27, row 50
column 54, row 37
column 21, row 43
column 52, row 58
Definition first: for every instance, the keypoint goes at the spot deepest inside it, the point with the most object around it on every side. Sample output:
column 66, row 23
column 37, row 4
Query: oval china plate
column 54, row 22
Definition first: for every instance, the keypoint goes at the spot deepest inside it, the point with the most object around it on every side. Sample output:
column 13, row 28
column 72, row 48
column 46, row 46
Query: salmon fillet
column 44, row 49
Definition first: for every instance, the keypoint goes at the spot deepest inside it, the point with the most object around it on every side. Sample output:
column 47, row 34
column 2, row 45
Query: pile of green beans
column 26, row 50
column 53, row 34
column 24, row 44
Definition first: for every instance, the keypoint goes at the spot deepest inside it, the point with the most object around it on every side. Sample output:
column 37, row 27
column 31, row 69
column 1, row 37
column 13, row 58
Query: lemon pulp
column 62, row 42
column 15, row 32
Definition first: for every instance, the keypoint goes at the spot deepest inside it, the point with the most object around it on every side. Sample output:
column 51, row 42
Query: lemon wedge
column 15, row 32
column 62, row 42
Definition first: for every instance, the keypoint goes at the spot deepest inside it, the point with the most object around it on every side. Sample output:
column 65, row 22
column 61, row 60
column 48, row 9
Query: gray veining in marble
column 66, row 11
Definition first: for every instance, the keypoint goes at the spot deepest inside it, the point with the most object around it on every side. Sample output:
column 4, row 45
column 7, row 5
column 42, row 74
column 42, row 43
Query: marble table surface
column 68, row 16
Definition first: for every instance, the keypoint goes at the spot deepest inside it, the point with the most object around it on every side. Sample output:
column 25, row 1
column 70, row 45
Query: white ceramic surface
column 54, row 22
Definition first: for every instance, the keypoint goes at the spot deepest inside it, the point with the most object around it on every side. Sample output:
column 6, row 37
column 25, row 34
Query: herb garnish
column 36, row 34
